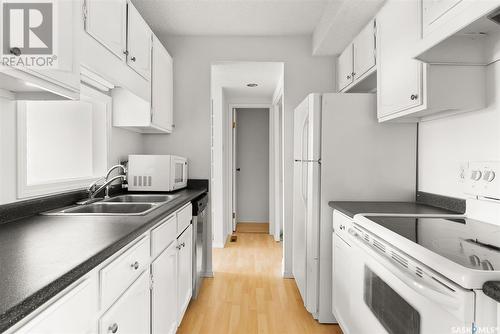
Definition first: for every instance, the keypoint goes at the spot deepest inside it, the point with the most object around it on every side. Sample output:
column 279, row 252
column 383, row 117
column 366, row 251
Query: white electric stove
column 414, row 274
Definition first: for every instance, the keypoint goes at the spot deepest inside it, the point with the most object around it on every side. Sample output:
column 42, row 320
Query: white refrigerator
column 341, row 153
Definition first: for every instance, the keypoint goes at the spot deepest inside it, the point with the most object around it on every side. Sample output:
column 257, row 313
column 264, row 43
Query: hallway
column 248, row 294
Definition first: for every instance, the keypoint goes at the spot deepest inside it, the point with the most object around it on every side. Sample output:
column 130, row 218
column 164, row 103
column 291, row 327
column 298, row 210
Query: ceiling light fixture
column 252, row 85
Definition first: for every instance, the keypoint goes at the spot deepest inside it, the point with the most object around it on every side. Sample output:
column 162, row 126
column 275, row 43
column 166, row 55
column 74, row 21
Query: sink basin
column 141, row 198
column 107, row 209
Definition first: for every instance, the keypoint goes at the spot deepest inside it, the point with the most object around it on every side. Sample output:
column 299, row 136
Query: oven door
column 178, row 173
column 388, row 297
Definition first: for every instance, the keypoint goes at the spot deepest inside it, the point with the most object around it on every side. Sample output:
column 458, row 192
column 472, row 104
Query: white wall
column 252, row 147
column 192, row 59
column 446, row 143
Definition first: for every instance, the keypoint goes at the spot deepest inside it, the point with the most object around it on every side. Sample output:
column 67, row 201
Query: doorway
column 251, row 169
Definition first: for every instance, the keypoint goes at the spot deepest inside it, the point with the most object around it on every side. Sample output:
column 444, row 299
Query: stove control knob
column 476, row 175
column 489, row 176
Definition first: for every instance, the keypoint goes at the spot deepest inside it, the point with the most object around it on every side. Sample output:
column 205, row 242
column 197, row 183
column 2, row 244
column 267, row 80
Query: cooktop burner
column 470, row 243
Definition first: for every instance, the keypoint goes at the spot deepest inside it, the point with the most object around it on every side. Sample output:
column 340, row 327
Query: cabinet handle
column 125, row 53
column 15, row 51
column 178, row 246
column 353, row 74
column 183, row 244
column 135, row 265
column 413, row 97
column 113, row 328
column 133, row 58
column 348, row 77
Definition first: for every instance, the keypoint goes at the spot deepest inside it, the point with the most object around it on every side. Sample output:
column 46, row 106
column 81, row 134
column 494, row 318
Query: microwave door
column 179, row 173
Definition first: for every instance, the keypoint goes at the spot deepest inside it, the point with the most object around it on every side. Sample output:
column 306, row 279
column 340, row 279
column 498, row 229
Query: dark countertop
column 42, row 255
column 492, row 290
column 353, row 208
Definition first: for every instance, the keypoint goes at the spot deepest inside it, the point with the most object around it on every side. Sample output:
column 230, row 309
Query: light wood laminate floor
column 248, row 294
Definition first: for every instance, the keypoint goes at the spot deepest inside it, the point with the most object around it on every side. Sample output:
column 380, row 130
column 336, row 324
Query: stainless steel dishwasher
column 199, row 241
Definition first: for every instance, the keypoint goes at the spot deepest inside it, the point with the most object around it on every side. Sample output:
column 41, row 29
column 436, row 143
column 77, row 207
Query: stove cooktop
column 469, row 243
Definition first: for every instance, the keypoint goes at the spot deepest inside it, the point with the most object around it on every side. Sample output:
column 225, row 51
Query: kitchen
column 385, row 185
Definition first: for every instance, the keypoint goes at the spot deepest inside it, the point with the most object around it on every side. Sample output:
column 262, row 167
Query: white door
column 164, row 293
column 184, row 272
column 162, row 87
column 399, row 76
column 364, row 50
column 130, row 314
column 139, row 40
column 106, row 21
column 344, row 70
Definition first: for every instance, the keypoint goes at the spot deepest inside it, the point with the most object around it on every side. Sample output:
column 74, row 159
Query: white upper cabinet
column 399, row 77
column 459, row 32
column 162, row 87
column 357, row 62
column 139, row 39
column 61, row 75
column 364, row 50
column 106, row 22
column 408, row 89
column 344, row 68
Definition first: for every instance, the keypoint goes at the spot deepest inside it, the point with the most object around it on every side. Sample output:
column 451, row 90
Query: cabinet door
column 138, row 42
column 162, row 87
column 164, row 295
column 73, row 313
column 66, row 48
column 185, row 271
column 341, row 281
column 345, row 69
column 364, row 50
column 106, row 22
column 432, row 10
column 130, row 313
column 399, row 77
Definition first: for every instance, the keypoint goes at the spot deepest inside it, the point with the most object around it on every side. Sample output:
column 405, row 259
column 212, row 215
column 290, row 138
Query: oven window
column 393, row 312
column 179, row 172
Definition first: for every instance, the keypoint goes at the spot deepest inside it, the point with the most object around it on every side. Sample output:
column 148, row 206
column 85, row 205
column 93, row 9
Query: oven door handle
column 434, row 291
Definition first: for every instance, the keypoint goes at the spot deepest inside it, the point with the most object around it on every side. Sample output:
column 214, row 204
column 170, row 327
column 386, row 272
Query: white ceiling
column 234, row 76
column 232, row 17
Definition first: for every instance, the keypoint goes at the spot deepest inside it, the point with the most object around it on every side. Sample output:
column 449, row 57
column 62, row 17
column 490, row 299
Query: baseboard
column 207, row 274
column 217, row 245
column 287, row 274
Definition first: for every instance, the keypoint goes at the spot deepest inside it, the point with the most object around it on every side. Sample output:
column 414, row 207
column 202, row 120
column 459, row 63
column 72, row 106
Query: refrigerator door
column 307, row 126
column 299, row 226
column 312, row 235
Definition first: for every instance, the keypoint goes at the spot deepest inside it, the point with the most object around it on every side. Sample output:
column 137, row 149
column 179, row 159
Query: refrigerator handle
column 305, row 139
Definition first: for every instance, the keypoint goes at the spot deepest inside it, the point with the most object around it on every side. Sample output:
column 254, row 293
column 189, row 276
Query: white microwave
column 156, row 172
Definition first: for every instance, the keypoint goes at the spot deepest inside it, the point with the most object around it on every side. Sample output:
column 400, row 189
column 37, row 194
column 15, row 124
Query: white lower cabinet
column 132, row 292
column 74, row 312
column 164, row 292
column 130, row 313
column 185, row 271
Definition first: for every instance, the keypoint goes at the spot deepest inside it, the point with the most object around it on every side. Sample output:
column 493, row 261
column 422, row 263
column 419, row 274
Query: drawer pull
column 183, row 244
column 135, row 265
column 113, row 328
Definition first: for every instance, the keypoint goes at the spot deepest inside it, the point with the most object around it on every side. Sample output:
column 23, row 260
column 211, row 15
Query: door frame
column 230, row 195
column 276, row 158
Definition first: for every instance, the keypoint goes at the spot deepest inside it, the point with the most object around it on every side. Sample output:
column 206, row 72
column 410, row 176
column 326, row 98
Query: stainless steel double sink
column 130, row 205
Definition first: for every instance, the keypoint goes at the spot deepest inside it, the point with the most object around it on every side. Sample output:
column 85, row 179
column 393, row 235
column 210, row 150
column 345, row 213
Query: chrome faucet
column 107, row 182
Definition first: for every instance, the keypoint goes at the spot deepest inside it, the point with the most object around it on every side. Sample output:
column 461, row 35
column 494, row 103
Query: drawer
column 341, row 224
column 163, row 235
column 117, row 276
column 184, row 217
